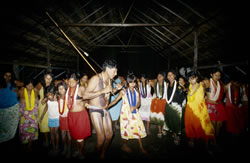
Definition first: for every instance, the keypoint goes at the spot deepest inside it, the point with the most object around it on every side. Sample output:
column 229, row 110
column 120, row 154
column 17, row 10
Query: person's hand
column 118, row 86
column 86, row 105
column 132, row 108
column 44, row 100
column 40, row 120
column 106, row 107
column 107, row 89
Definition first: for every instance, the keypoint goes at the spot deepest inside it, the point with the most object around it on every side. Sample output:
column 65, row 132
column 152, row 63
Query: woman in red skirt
column 78, row 118
column 233, row 124
column 214, row 93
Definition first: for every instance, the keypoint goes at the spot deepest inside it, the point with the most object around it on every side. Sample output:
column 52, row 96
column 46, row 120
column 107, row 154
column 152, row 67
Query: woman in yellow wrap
column 43, row 125
column 197, row 121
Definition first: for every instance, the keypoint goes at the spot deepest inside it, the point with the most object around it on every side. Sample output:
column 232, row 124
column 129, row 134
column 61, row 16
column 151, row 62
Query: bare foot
column 125, row 148
column 144, row 151
column 102, row 157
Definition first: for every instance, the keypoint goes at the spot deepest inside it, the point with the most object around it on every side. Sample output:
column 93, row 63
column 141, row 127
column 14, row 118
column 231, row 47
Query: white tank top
column 53, row 111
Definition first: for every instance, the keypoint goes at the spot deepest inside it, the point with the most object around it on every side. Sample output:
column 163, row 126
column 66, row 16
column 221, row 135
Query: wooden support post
column 195, row 66
column 48, row 51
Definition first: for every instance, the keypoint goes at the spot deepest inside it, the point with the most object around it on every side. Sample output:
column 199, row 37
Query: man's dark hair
column 110, row 63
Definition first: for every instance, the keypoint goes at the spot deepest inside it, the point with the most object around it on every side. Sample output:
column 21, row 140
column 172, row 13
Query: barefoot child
column 131, row 125
column 63, row 119
column 53, row 118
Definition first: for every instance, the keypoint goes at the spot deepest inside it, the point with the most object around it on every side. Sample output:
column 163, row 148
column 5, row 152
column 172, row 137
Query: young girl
column 146, row 99
column 214, row 93
column 78, row 118
column 197, row 121
column 131, row 125
column 158, row 104
column 53, row 118
column 176, row 102
column 63, row 119
column 43, row 87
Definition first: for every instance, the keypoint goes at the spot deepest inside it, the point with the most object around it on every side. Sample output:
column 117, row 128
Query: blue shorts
column 54, row 122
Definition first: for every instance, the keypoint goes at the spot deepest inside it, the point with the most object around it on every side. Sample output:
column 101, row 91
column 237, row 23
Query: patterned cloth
column 28, row 128
column 157, row 111
column 175, row 109
column 145, row 104
column 197, row 121
column 216, row 111
column 8, row 122
column 131, row 125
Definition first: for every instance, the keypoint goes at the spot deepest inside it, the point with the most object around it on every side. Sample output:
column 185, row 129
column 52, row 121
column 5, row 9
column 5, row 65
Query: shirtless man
column 98, row 93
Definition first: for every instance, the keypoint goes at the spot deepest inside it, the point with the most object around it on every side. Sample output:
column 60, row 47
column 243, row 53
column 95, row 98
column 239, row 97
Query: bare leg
column 68, row 142
column 57, row 138
column 107, row 125
column 148, row 131
column 52, row 137
column 46, row 137
column 63, row 134
column 159, row 131
column 80, row 144
column 96, row 120
column 125, row 147
column 141, row 147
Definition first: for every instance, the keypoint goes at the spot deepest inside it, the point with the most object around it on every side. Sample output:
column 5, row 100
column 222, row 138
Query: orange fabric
column 158, row 105
column 197, row 121
column 193, row 125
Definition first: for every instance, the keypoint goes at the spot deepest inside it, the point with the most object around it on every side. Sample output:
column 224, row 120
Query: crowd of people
column 77, row 106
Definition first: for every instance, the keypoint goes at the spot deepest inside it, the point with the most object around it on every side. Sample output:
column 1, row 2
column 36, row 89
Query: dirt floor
column 229, row 147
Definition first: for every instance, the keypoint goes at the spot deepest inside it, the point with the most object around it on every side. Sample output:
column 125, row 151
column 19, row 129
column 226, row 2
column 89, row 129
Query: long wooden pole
column 73, row 44
column 70, row 42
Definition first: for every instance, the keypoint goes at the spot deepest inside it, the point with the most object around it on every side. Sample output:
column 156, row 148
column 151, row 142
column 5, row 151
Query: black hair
column 130, row 77
column 51, row 89
column 173, row 71
column 62, row 84
column 74, row 75
column 110, row 63
column 162, row 73
column 143, row 76
column 3, row 82
column 83, row 74
column 28, row 81
column 43, row 82
column 214, row 70
column 193, row 74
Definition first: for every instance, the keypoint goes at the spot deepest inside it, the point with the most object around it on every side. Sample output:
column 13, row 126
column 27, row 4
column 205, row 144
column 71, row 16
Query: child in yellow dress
column 131, row 125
